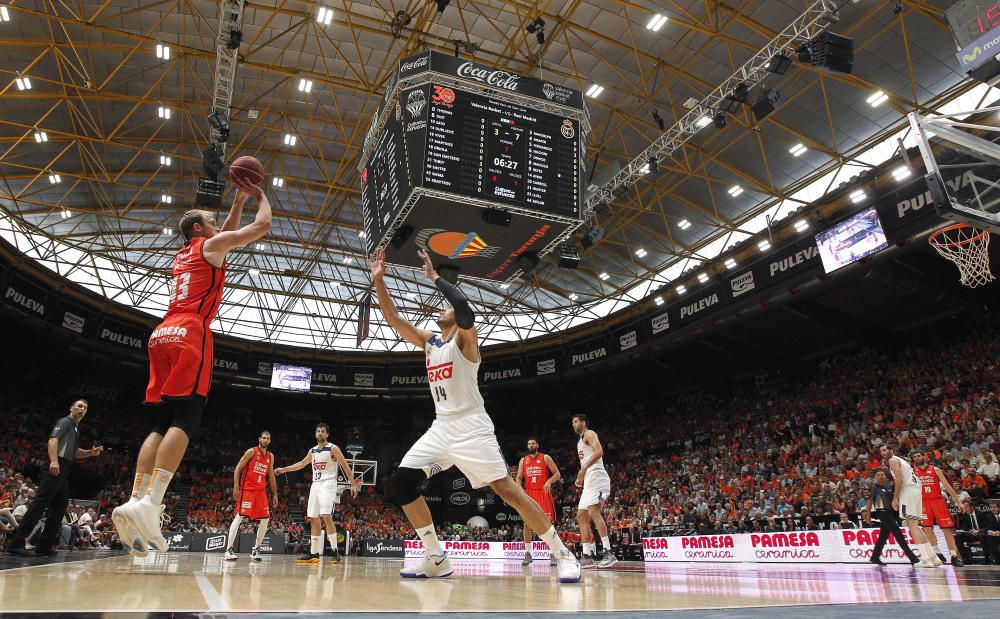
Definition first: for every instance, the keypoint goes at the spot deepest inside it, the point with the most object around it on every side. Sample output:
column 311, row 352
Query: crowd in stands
column 769, row 456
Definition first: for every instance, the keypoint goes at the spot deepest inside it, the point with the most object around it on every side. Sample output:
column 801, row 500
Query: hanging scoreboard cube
column 475, row 165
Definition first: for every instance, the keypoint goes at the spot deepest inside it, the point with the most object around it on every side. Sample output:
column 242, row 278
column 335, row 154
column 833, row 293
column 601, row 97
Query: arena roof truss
column 95, row 175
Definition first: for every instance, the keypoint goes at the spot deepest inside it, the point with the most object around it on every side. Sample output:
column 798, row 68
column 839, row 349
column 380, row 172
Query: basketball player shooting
column 462, row 433
column 593, row 478
column 539, row 472
column 254, row 472
column 909, row 502
column 323, row 491
column 181, row 355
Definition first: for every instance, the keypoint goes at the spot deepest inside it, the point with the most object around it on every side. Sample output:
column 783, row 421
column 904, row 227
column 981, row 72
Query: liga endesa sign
column 839, row 546
column 414, row 548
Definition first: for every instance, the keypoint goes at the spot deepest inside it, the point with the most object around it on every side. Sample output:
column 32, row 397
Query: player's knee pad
column 187, row 415
column 405, row 485
column 163, row 416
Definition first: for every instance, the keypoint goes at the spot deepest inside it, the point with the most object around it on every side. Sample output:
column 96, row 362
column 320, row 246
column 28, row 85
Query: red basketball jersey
column 535, row 471
column 929, row 480
column 197, row 285
column 254, row 474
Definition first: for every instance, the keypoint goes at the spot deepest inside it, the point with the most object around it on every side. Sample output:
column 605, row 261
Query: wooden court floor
column 198, row 583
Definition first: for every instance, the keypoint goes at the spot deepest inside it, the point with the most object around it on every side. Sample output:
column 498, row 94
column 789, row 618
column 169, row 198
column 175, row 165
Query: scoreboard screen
column 385, row 182
column 481, row 147
column 971, row 19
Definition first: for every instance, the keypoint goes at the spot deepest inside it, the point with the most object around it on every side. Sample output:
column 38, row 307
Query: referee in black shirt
column 53, row 490
column 881, row 501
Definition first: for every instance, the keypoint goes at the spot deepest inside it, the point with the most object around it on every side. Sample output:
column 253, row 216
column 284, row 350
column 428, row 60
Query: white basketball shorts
column 321, row 498
column 911, row 503
column 595, row 491
column 468, row 442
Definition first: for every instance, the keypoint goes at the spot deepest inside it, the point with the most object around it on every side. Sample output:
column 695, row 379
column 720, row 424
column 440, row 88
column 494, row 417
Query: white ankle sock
column 158, row 485
column 317, row 544
column 589, row 548
column 234, row 529
column 430, row 539
column 333, row 542
column 141, row 485
column 606, row 543
column 551, row 538
column 261, row 531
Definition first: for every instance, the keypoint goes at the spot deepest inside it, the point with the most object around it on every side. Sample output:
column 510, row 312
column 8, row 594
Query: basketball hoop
column 968, row 248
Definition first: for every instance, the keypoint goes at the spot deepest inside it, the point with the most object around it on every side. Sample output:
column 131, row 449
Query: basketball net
column 968, row 248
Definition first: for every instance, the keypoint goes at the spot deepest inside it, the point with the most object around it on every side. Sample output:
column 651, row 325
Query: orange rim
column 932, row 239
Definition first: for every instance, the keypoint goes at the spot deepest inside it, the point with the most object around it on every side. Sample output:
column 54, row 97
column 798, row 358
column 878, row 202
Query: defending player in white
column 462, row 433
column 593, row 478
column 908, row 500
column 323, row 491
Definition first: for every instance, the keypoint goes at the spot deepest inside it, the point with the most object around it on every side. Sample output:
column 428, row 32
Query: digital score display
column 481, row 147
column 385, row 182
column 971, row 19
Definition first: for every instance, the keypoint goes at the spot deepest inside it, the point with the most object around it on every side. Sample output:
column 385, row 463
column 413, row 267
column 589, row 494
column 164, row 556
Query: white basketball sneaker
column 127, row 533
column 936, row 561
column 230, row 555
column 925, row 564
column 433, row 566
column 146, row 518
column 569, row 567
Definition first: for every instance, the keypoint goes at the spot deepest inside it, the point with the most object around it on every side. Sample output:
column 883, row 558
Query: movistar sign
column 980, row 51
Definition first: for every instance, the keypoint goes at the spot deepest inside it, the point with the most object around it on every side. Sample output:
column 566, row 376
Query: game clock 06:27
column 485, row 148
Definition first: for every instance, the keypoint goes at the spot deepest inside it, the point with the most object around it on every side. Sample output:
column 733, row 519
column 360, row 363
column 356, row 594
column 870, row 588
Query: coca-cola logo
column 413, row 64
column 497, row 78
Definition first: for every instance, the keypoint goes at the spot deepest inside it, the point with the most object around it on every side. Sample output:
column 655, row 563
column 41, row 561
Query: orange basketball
column 246, row 170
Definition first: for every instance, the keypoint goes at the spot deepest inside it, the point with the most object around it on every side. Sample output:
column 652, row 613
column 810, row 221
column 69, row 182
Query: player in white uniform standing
column 462, row 433
column 596, row 484
column 323, row 491
column 908, row 500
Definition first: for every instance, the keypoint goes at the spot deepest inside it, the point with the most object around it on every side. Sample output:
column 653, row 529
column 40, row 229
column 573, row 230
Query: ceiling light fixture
column 659, row 300
column 55, row 179
column 23, row 83
column 877, row 99
column 641, row 252
column 166, row 198
column 162, row 51
column 681, row 289
column 735, row 190
column 66, row 214
column 683, row 224
column 165, row 160
column 656, row 22
column 604, row 277
column 703, row 122
column 797, row 150
column 164, row 112
column 573, row 297
column 595, row 91
column 901, row 173
column 801, row 225
column 858, row 196
column 277, row 181
column 4, row 15
column 730, row 263
column 41, row 136
column 324, row 16
column 764, row 245
column 168, row 231
column 703, row 277
column 290, row 139
column 305, row 85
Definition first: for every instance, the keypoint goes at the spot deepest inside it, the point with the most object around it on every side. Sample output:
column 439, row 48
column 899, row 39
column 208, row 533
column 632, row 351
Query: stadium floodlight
column 55, row 179
column 165, row 160
column 877, row 99
column 703, row 277
column 659, row 300
column 764, row 245
column 573, row 297
column 66, row 214
column 681, row 289
column 801, row 225
column 166, row 198
column 683, row 224
column 41, row 136
column 735, row 190
column 305, row 85
column 798, row 149
column 704, row 121
column 656, row 22
column 168, row 231
column 858, row 196
column 641, row 253
column 324, row 15
column 22, row 82
column 277, row 181
column 604, row 277
column 595, row 91
column 163, row 112
column 162, row 51
column 290, row 139
column 730, row 263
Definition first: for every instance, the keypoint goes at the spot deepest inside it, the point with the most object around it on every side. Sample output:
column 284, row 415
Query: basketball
column 246, row 170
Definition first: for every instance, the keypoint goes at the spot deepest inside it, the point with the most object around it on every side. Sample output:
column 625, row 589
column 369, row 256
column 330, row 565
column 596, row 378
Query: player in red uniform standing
column 935, row 509
column 180, row 360
column 539, row 472
column 254, row 472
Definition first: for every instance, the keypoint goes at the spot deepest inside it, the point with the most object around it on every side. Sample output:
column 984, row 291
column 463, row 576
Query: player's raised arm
column 216, row 248
column 465, row 319
column 413, row 335
column 235, row 211
column 346, row 468
column 236, row 472
column 301, row 464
